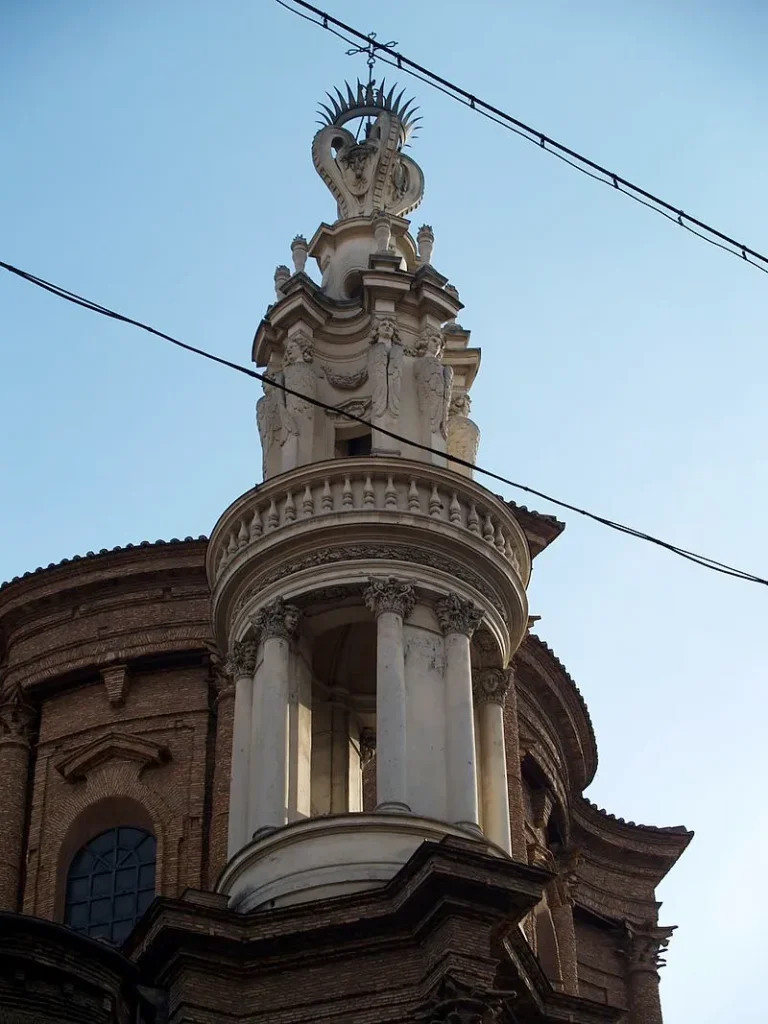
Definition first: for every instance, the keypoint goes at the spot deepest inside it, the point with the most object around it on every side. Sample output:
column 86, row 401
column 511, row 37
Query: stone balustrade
column 389, row 490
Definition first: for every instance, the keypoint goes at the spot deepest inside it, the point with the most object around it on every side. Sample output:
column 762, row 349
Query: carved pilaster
column 390, row 595
column 456, row 615
column 491, row 685
column 644, row 947
column 277, row 619
column 16, row 722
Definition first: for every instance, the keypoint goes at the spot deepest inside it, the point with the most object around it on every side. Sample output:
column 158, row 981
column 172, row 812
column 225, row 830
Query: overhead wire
column 387, row 55
column 79, row 300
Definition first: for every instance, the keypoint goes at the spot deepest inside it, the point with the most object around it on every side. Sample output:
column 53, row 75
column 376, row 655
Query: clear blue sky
column 157, row 158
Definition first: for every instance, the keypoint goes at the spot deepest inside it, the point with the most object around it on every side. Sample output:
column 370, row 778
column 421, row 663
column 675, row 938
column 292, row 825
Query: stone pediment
column 114, row 746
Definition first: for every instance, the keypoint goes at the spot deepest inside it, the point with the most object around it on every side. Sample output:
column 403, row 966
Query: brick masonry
column 114, row 711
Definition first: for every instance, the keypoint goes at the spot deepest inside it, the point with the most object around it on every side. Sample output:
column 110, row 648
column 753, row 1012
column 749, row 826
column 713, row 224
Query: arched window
column 111, row 882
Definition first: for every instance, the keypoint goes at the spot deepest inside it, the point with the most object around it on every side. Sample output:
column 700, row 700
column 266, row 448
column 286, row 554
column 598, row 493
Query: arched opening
column 344, row 701
column 110, row 883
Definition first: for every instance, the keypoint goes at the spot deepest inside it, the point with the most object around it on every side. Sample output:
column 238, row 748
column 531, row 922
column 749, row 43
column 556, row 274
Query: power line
column 79, row 300
column 387, row 55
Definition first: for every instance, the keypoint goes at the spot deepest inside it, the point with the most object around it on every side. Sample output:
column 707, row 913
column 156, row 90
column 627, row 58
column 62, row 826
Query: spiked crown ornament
column 372, row 175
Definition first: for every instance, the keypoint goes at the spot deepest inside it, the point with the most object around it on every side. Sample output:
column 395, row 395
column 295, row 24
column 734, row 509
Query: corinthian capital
column 490, row 685
column 277, row 619
column 242, row 659
column 390, row 595
column 645, row 946
column 16, row 716
column 456, row 615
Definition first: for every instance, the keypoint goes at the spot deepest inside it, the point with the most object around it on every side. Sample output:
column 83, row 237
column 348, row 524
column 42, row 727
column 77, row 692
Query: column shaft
column 391, row 762
column 644, row 999
column 460, row 732
column 240, row 773
column 495, row 800
column 269, row 773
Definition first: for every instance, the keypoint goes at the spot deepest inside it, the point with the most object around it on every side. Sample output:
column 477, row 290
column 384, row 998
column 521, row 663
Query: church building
column 317, row 767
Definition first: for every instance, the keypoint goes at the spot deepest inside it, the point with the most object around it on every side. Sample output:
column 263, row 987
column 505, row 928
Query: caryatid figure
column 434, row 382
column 299, row 413
column 385, row 369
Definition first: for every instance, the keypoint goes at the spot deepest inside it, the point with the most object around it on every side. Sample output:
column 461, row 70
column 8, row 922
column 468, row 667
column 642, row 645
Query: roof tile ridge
column 99, row 553
column 673, row 829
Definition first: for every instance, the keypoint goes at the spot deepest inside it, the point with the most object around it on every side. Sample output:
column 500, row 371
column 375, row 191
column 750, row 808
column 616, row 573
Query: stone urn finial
column 299, row 251
column 426, row 242
column 282, row 275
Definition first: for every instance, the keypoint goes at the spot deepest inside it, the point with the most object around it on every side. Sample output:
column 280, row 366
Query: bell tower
column 370, row 594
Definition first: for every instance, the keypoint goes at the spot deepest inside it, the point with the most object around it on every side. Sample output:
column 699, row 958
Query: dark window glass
column 110, row 884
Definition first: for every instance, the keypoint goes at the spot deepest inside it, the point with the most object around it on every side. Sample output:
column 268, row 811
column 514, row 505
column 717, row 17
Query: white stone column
column 277, row 623
column 391, row 601
column 490, row 688
column 241, row 665
column 458, row 620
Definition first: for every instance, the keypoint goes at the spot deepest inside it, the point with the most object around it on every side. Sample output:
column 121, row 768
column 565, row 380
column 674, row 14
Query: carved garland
column 363, row 552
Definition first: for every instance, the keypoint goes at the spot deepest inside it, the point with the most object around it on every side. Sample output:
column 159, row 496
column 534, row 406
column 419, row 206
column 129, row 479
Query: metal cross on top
column 370, row 49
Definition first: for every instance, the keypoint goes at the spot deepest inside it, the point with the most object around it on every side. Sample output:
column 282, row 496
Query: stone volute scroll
column 371, row 175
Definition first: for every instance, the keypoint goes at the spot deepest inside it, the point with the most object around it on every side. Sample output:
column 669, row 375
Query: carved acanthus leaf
column 645, row 946
column 277, row 620
column 390, row 595
column 491, row 685
column 457, row 615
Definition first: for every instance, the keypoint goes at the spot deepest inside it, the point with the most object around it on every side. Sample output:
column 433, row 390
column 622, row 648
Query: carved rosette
column 491, row 685
column 390, row 595
column 645, row 946
column 16, row 715
column 242, row 659
column 277, row 620
column 456, row 615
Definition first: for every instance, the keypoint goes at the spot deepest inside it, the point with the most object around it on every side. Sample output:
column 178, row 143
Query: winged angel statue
column 434, row 382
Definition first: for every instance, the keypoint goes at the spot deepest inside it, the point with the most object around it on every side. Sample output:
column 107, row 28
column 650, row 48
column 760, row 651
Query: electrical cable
column 569, row 156
column 79, row 300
